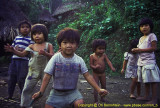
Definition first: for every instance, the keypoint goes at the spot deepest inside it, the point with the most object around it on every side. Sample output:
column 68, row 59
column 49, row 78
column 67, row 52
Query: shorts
column 59, row 99
column 148, row 73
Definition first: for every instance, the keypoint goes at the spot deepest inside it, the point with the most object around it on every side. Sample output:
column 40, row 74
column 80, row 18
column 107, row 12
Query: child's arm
column 124, row 66
column 45, row 82
column 50, row 52
column 19, row 49
column 109, row 63
column 9, row 48
column 151, row 49
column 91, row 81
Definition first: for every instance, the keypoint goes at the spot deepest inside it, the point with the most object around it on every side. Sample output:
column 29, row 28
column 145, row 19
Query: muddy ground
column 117, row 98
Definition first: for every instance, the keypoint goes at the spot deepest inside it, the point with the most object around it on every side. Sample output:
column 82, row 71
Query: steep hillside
column 114, row 21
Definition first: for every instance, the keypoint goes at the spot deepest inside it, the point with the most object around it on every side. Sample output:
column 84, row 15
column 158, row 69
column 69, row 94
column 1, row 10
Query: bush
column 116, row 22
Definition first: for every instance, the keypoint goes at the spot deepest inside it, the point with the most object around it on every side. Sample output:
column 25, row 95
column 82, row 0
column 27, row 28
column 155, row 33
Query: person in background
column 18, row 68
column 130, row 64
column 98, row 62
column 148, row 71
column 41, row 51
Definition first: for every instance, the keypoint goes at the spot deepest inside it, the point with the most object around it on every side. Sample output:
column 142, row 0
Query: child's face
column 68, row 48
column 145, row 29
column 100, row 50
column 38, row 37
column 25, row 29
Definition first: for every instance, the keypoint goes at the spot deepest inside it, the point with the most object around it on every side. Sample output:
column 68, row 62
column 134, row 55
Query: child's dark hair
column 24, row 22
column 133, row 44
column 39, row 28
column 68, row 34
column 144, row 21
column 98, row 42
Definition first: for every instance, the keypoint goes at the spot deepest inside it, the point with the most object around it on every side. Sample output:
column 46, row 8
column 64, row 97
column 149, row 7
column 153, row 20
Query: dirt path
column 117, row 98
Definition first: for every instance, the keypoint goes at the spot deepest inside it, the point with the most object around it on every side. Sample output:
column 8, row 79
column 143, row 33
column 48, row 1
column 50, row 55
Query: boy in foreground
column 65, row 67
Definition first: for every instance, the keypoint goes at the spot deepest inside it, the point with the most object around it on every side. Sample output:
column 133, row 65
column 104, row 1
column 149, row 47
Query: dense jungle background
column 116, row 21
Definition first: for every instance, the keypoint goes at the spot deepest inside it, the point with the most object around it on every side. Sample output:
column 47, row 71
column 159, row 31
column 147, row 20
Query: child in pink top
column 148, row 71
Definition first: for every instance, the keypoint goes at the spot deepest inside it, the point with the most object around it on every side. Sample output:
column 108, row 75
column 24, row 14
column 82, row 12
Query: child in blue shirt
column 65, row 67
column 18, row 68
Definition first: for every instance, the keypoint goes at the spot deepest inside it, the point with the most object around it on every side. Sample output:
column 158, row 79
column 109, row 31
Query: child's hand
column 98, row 66
column 42, row 52
column 8, row 48
column 113, row 69
column 18, row 48
column 122, row 71
column 103, row 92
column 135, row 50
column 37, row 95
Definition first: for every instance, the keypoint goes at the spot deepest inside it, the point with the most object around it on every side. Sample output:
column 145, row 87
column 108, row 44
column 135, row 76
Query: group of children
column 140, row 63
column 65, row 66
column 32, row 71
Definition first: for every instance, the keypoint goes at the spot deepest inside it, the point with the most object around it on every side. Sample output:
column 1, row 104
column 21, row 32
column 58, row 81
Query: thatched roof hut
column 65, row 9
column 10, row 16
column 46, row 18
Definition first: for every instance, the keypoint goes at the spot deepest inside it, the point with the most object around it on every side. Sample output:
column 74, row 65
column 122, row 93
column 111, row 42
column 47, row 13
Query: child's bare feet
column 152, row 102
column 138, row 96
column 132, row 96
column 143, row 98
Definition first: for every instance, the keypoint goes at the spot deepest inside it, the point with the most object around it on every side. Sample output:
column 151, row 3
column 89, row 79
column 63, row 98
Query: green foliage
column 114, row 21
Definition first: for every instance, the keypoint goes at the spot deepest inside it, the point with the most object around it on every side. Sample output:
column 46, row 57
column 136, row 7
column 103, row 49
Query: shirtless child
column 97, row 62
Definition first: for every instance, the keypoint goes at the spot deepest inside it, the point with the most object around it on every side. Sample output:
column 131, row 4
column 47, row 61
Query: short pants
column 59, row 99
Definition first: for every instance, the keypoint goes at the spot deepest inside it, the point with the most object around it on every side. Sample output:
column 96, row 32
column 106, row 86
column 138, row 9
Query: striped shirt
column 21, row 42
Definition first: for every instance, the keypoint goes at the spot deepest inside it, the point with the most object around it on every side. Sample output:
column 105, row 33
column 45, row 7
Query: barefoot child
column 148, row 71
column 18, row 68
column 97, row 62
column 130, row 64
column 65, row 67
column 41, row 52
